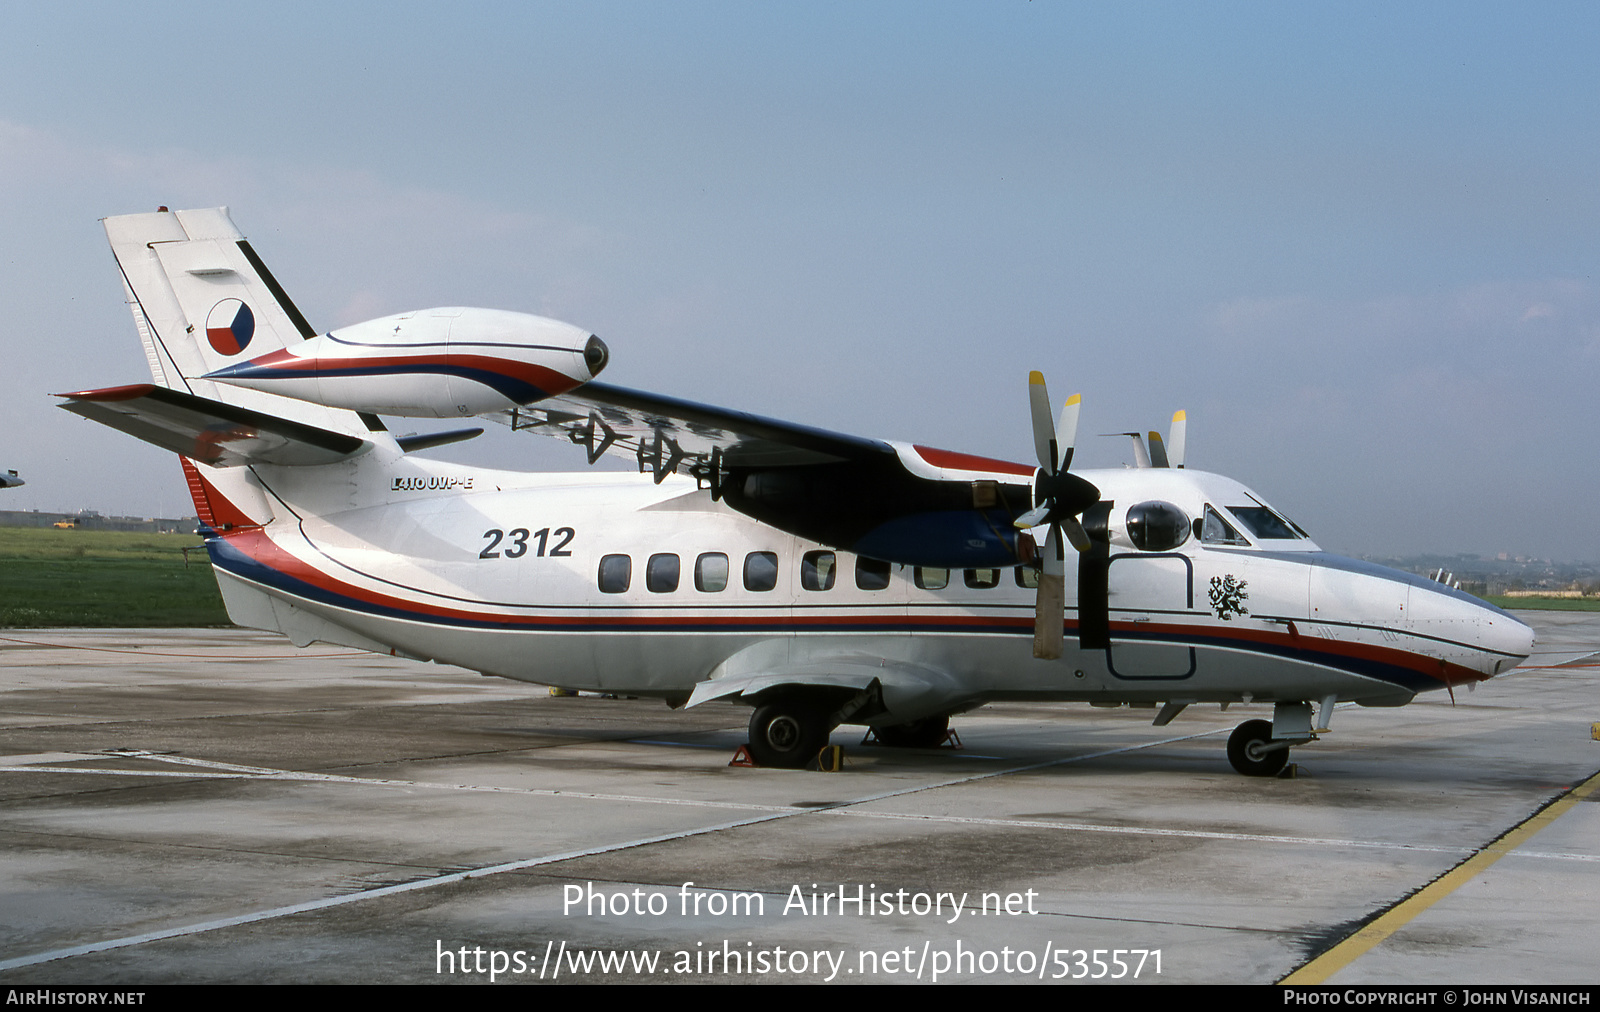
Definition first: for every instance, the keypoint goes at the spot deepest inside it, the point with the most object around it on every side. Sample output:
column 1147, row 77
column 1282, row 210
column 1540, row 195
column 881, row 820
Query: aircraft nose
column 1507, row 634
column 1500, row 641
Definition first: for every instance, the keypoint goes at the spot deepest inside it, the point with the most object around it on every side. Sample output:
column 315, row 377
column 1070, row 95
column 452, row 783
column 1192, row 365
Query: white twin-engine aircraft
column 821, row 578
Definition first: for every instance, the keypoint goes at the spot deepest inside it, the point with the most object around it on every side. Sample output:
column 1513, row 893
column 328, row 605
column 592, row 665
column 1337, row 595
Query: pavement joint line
column 846, row 809
column 1397, row 916
column 327, row 902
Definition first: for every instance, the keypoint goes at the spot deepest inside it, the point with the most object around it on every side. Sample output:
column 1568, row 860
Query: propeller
column 1168, row 454
column 1058, row 498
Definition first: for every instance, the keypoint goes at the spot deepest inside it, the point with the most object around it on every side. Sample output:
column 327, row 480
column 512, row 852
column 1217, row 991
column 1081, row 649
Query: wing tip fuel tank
column 436, row 363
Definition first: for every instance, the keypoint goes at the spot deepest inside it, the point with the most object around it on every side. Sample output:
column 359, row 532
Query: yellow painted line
column 1337, row 958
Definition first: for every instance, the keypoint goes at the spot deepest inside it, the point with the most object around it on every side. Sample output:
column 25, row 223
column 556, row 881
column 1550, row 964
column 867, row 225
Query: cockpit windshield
column 1265, row 524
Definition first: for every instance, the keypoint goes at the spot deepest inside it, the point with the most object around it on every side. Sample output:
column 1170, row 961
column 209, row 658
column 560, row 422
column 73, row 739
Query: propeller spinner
column 1058, row 498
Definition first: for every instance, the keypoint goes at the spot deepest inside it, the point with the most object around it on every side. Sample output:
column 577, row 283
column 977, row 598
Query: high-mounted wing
column 890, row 501
column 666, row 435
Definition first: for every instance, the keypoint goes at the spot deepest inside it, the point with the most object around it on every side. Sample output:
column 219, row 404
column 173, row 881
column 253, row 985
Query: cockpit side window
column 1216, row 531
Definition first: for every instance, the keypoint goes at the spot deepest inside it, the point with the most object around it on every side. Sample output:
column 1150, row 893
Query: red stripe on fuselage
column 542, row 377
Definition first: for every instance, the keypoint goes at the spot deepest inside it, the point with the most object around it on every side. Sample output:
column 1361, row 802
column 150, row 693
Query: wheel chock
column 742, row 757
column 830, row 759
column 1594, row 731
column 1290, row 771
column 951, row 740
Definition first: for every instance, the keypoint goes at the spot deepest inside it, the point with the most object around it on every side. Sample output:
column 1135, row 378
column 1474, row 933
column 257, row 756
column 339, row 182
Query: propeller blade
column 1158, row 450
column 1044, row 433
column 1049, row 634
column 1179, row 437
column 1067, row 431
column 1052, row 555
column 1076, row 534
column 1032, row 518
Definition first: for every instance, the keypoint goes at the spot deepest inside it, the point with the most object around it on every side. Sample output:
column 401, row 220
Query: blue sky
column 1356, row 242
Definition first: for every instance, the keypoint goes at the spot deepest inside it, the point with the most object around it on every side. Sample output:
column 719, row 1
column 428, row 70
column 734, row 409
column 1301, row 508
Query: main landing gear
column 788, row 733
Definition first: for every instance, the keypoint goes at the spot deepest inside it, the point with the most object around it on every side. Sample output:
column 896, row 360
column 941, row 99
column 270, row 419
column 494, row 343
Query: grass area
column 52, row 577
column 1544, row 603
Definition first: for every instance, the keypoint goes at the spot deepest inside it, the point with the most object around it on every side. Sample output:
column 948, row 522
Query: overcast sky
column 1356, row 242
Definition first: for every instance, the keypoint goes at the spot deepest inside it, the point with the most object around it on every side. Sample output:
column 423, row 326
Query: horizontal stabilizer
column 222, row 435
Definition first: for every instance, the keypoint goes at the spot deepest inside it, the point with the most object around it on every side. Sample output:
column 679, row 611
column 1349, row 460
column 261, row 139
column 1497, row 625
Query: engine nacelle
column 433, row 363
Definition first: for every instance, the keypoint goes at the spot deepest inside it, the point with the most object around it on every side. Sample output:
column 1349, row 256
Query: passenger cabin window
column 711, row 573
column 817, row 570
column 1027, row 577
column 872, row 574
column 982, row 579
column 616, row 572
column 661, row 574
column 761, row 571
column 931, row 579
column 1264, row 523
column 1216, row 531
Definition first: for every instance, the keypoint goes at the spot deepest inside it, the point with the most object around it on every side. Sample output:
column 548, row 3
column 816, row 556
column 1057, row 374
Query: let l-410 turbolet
column 820, row 578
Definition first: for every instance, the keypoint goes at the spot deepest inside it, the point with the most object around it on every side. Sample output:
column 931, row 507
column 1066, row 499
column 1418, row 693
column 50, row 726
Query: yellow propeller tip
column 1036, row 378
column 1179, row 416
column 1075, row 398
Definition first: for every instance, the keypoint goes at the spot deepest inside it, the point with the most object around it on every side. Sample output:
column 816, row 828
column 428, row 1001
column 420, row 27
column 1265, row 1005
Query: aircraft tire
column 926, row 733
column 787, row 734
column 1244, row 753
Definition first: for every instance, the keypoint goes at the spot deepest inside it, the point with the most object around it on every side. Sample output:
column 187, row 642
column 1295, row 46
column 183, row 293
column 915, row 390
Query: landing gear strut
column 1253, row 752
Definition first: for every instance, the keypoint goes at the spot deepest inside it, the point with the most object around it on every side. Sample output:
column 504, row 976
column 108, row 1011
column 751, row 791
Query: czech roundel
column 230, row 326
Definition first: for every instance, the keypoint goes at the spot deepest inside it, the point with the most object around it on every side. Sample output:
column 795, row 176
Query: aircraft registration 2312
column 818, row 577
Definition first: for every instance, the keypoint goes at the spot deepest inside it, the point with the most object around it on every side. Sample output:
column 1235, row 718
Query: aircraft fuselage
column 615, row 583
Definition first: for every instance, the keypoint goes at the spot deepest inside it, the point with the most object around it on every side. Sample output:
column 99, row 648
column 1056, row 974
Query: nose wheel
column 1253, row 752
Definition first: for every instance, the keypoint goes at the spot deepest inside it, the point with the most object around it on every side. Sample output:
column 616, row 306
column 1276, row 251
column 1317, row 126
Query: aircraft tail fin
column 202, row 299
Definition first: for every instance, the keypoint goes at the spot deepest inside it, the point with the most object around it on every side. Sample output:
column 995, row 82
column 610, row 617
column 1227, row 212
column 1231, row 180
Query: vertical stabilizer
column 202, row 300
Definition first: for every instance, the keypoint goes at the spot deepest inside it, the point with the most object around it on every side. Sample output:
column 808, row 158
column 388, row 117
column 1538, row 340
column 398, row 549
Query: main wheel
column 1247, row 750
column 787, row 734
column 926, row 733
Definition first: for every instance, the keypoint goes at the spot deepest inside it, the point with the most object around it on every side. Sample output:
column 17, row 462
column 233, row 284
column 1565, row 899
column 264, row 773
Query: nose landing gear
column 1253, row 752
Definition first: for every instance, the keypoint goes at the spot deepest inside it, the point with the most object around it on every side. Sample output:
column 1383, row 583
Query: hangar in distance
column 821, row 578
